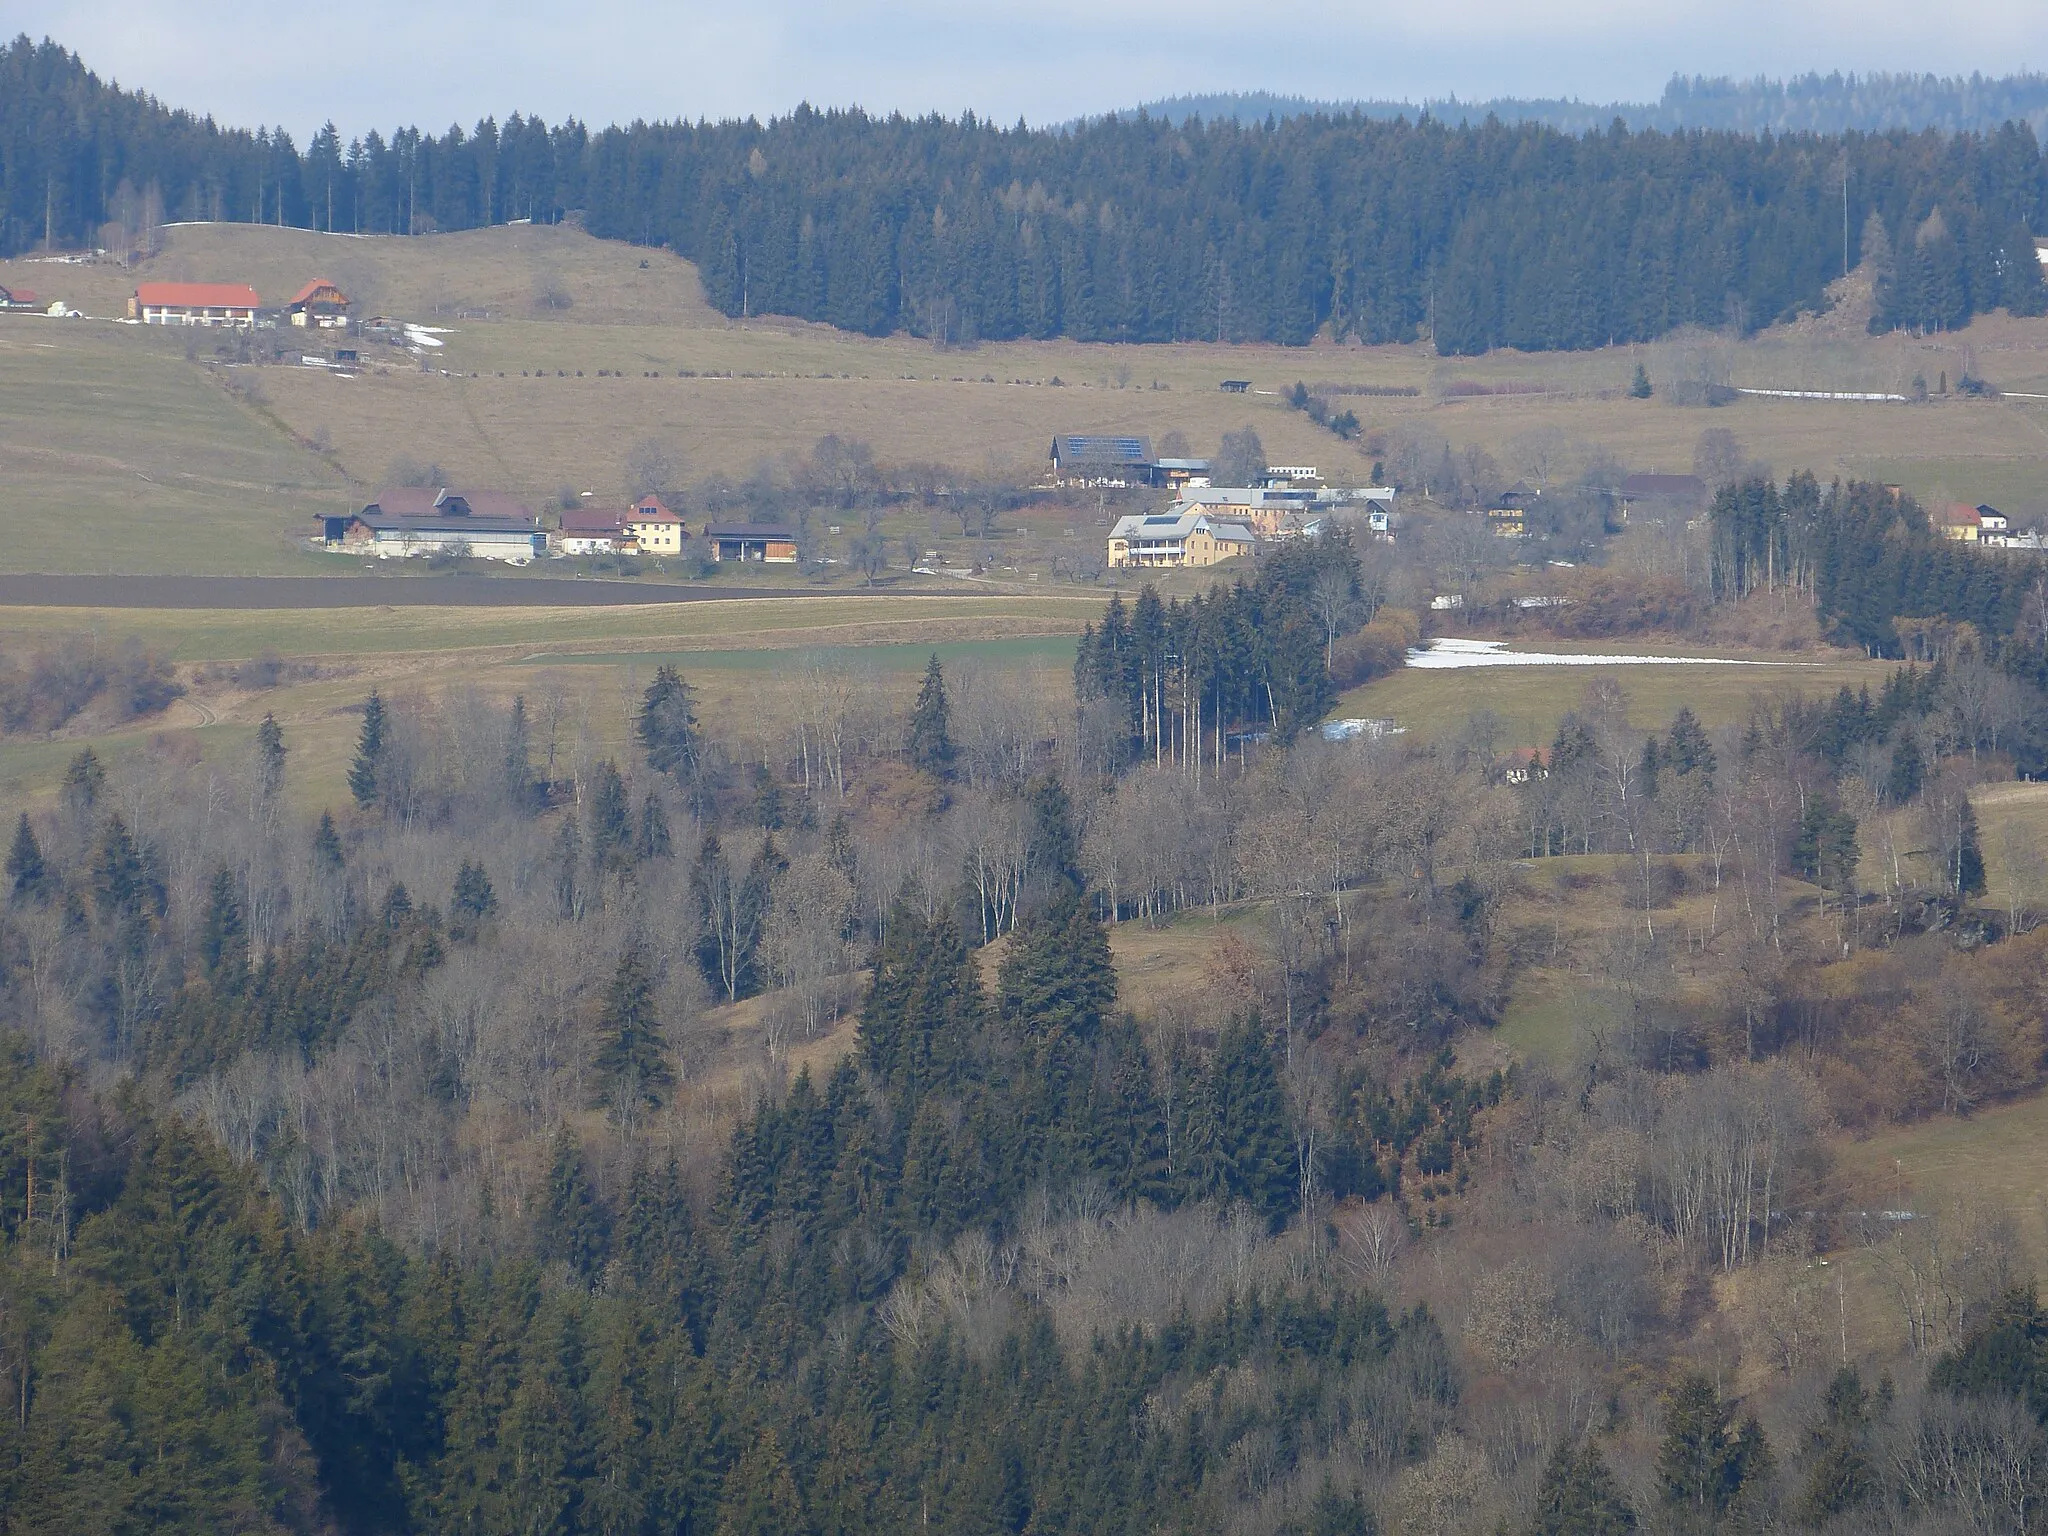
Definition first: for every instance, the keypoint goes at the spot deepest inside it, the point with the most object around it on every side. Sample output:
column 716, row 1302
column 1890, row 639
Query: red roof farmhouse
column 194, row 304
column 319, row 305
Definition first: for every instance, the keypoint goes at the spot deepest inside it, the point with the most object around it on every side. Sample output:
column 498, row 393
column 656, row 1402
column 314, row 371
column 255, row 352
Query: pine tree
column 85, row 781
column 270, row 755
column 611, row 820
column 121, row 885
column 223, row 936
column 1639, row 386
column 632, row 1059
column 472, row 903
column 930, row 742
column 327, row 855
column 28, row 876
column 572, row 1226
column 369, row 759
column 1908, row 770
column 520, row 789
column 1057, row 977
column 1251, row 1152
column 1701, row 1466
column 667, row 726
column 1578, row 1496
column 1839, row 1475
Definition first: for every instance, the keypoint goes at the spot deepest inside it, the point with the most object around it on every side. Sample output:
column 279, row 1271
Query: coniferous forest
column 1476, row 236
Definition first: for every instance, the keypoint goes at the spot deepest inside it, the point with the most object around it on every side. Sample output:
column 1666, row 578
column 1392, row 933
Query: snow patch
column 1453, row 655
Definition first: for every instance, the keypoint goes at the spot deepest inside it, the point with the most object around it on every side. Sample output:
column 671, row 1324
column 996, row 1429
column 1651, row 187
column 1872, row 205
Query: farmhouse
column 1185, row 536
column 319, row 306
column 424, row 521
column 749, row 542
column 589, row 531
column 1104, row 461
column 210, row 304
column 18, row 298
column 654, row 529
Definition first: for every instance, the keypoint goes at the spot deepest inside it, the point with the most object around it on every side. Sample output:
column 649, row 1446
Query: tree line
column 1121, row 229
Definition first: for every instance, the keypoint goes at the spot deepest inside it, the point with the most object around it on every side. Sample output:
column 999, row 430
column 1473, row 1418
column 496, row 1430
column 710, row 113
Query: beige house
column 1173, row 540
column 655, row 529
column 210, row 304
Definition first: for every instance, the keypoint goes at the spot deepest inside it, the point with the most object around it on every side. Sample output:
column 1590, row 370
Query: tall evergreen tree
column 632, row 1058
column 573, row 1227
column 610, row 816
column 1578, row 1496
column 472, row 903
column 270, row 756
column 667, row 727
column 27, row 875
column 364, row 771
column 930, row 742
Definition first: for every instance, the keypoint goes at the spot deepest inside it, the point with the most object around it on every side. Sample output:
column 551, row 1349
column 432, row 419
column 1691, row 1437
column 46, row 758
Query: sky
column 433, row 62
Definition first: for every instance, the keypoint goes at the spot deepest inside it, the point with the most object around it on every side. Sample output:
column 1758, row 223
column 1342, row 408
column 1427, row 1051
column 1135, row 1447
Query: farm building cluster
column 319, row 305
column 415, row 521
column 1207, row 523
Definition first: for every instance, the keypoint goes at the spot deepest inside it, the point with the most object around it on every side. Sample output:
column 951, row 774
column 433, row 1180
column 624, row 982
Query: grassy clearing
column 1531, row 700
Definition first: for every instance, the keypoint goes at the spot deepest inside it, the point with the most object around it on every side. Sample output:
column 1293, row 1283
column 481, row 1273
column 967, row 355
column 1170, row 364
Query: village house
column 590, row 531
column 654, row 529
column 409, row 521
column 208, row 304
column 747, row 543
column 319, row 306
column 1183, row 537
column 18, row 298
column 1972, row 525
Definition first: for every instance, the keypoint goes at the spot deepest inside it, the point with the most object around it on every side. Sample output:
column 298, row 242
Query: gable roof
column 311, row 290
column 1078, row 449
column 591, row 521
column 198, row 295
column 651, row 509
column 436, row 501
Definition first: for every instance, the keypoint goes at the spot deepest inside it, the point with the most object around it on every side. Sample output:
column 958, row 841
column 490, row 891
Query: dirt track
column 247, row 592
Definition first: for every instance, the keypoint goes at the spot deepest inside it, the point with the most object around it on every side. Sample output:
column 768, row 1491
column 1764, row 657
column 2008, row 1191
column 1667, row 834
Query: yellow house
column 655, row 529
column 1175, row 540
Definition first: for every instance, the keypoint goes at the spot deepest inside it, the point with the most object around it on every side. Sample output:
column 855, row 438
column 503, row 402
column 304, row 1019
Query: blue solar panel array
column 1117, row 450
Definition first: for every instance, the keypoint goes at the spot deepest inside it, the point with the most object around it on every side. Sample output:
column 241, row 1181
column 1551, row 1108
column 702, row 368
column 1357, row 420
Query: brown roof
column 1959, row 514
column 650, row 509
column 307, row 293
column 590, row 520
column 198, row 295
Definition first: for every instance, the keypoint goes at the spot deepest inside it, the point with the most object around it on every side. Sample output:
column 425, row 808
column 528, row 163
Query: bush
column 1376, row 650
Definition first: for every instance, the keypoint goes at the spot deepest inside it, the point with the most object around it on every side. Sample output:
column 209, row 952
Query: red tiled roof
column 650, row 509
column 1959, row 515
column 314, row 287
column 198, row 295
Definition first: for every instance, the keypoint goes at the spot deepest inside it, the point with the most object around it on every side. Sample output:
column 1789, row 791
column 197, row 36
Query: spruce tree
column 931, row 743
column 1252, row 1153
column 270, row 755
column 1839, row 1474
column 223, row 936
column 1639, row 386
column 1057, row 977
column 667, row 726
column 572, row 1226
column 85, row 781
column 610, row 837
column 1578, row 1496
column 520, row 790
column 1908, row 770
column 632, row 1059
column 327, row 854
column 472, row 902
column 369, row 760
column 28, row 876
column 1701, row 1466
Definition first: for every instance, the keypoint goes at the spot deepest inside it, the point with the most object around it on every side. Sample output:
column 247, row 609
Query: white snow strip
column 1820, row 394
column 1455, row 655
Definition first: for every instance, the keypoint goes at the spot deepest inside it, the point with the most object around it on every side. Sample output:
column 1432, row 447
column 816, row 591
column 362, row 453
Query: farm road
column 251, row 592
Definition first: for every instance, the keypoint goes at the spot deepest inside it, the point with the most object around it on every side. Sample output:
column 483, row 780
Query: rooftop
column 198, row 295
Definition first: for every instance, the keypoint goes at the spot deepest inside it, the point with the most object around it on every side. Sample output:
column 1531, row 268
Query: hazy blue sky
column 433, row 62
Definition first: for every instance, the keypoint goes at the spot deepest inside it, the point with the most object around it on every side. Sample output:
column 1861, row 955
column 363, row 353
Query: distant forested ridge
column 1118, row 230
column 1809, row 103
